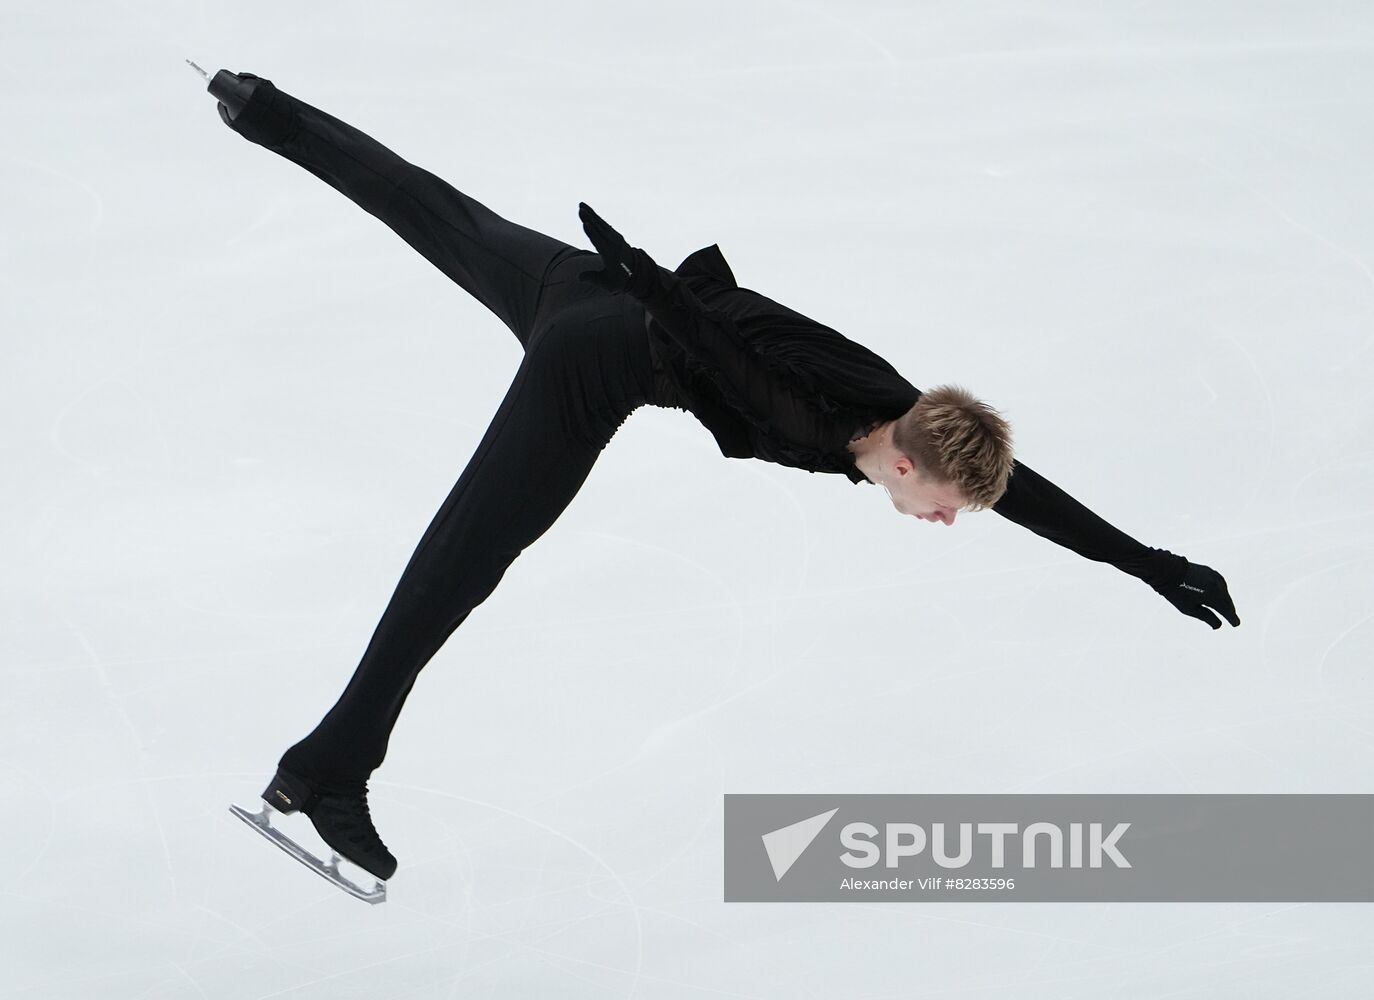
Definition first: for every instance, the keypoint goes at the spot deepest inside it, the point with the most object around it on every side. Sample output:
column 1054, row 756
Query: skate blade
column 262, row 822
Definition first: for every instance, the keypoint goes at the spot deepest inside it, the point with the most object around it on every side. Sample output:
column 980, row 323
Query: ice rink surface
column 232, row 402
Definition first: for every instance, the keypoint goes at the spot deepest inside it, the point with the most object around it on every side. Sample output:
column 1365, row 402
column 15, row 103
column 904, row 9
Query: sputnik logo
column 785, row 845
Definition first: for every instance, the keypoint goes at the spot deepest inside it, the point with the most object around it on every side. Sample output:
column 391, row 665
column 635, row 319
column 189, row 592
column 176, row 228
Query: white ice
column 230, row 402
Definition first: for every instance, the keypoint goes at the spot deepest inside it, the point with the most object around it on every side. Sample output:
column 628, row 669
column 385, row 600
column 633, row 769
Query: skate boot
column 233, row 91
column 254, row 108
column 340, row 815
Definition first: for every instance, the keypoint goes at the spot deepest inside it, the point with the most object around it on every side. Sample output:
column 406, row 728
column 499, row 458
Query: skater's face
column 915, row 494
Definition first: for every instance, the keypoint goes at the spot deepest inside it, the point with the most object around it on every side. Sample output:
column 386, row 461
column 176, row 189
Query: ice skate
column 340, row 816
column 233, row 91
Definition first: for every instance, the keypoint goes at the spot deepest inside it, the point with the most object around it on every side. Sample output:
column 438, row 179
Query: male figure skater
column 604, row 333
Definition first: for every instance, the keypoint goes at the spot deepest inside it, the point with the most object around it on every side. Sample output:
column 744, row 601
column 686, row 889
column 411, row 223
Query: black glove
column 1201, row 589
column 628, row 269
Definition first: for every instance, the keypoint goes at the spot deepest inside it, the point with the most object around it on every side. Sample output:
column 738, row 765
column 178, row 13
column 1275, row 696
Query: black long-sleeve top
column 770, row 383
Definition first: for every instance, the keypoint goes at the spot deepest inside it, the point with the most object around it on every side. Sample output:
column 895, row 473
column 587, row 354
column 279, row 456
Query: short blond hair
column 957, row 439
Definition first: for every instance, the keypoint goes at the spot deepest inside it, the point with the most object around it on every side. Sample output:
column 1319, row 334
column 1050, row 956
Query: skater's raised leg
column 502, row 264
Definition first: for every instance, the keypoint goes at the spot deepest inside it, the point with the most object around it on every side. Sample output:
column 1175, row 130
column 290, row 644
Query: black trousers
column 587, row 365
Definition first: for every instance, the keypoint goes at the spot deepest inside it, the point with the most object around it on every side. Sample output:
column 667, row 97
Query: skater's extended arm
column 712, row 343
column 1034, row 502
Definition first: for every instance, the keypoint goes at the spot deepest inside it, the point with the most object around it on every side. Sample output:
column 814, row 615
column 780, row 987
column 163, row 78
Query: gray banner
column 1049, row 848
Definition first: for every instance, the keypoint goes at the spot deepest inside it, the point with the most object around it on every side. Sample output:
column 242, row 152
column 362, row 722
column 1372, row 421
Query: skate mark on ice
column 51, row 830
column 107, row 687
column 1326, row 653
column 1341, row 250
column 630, row 903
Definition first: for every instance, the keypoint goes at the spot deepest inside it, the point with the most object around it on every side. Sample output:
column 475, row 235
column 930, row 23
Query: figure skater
column 604, row 333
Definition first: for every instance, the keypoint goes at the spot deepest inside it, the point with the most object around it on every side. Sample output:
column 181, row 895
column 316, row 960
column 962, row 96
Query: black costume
column 770, row 383
column 766, row 381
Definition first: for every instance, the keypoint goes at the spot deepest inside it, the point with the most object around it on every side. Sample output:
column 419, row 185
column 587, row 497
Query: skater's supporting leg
column 579, row 379
column 501, row 263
